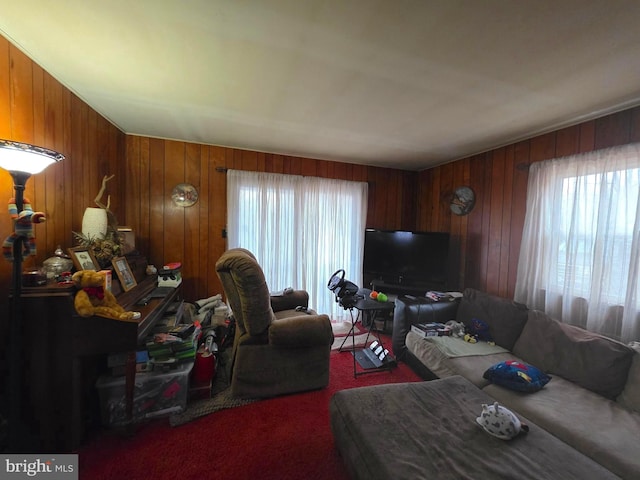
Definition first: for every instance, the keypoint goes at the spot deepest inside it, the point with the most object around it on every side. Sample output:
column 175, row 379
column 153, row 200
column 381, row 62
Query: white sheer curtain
column 580, row 253
column 301, row 230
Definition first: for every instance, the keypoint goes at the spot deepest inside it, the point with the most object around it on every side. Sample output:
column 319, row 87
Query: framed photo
column 121, row 266
column 83, row 258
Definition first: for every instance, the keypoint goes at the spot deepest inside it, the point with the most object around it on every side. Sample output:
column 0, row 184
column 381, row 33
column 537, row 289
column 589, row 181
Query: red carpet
column 282, row 438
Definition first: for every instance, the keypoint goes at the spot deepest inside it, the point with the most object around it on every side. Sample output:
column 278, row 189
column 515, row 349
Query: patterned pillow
column 517, row 376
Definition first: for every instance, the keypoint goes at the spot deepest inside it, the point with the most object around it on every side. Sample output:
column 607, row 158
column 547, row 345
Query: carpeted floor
column 284, row 438
column 200, row 408
column 346, row 341
column 221, row 395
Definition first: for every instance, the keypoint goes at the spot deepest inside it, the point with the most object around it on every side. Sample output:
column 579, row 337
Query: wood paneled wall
column 194, row 235
column 486, row 243
column 36, row 108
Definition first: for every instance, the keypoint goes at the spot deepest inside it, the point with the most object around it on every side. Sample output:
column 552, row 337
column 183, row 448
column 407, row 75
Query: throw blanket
column 428, row 430
column 457, row 347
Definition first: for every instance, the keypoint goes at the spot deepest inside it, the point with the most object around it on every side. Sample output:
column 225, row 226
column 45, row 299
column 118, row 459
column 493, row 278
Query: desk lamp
column 21, row 160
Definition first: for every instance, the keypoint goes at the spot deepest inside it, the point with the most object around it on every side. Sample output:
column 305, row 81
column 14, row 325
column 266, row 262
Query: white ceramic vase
column 94, row 222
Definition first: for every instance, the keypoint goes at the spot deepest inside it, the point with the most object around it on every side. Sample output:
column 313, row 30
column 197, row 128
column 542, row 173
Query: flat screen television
column 411, row 258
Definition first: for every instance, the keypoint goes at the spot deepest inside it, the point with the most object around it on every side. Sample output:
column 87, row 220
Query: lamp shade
column 27, row 158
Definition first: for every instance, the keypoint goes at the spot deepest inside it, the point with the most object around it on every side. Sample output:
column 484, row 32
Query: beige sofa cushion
column 597, row 427
column 588, row 359
column 505, row 318
column 630, row 396
column 471, row 367
column 430, row 356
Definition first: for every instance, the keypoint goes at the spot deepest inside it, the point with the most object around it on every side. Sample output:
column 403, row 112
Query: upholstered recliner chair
column 276, row 349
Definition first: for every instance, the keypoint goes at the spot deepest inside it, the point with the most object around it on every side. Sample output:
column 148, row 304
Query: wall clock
column 184, row 195
column 463, row 201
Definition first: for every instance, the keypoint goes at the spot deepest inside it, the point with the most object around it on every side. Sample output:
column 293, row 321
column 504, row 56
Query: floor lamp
column 21, row 160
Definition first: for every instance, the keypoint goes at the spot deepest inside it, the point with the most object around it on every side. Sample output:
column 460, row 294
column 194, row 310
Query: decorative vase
column 94, row 222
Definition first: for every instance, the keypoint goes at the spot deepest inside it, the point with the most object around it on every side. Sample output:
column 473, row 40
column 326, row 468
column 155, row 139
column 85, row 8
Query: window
column 579, row 257
column 301, row 230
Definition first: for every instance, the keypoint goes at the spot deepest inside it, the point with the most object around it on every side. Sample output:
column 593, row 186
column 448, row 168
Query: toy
column 23, row 228
column 379, row 296
column 456, row 328
column 93, row 299
column 500, row 422
column 480, row 330
column 470, row 338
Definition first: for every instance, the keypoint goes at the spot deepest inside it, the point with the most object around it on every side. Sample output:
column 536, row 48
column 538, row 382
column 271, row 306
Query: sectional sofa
column 591, row 405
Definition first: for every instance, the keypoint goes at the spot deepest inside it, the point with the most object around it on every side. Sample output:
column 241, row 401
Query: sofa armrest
column 301, row 331
column 289, row 301
column 413, row 310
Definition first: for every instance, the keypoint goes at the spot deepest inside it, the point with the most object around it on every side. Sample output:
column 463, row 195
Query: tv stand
column 404, row 288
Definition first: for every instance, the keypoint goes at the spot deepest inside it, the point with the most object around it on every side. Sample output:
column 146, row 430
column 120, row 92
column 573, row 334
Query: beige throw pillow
column 630, row 396
column 593, row 361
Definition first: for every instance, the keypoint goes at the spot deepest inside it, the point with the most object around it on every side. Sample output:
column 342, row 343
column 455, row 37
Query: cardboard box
column 108, row 278
column 128, row 239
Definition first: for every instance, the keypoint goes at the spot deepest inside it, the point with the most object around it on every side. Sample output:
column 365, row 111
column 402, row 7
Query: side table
column 370, row 359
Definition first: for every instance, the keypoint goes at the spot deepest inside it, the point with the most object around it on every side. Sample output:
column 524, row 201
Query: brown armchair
column 276, row 349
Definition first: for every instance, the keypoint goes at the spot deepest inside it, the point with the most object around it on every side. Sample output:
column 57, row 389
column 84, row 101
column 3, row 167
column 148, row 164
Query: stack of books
column 168, row 321
column 177, row 345
column 431, row 329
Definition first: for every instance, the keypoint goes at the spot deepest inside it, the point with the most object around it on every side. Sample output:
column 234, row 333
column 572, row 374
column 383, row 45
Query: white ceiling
column 396, row 83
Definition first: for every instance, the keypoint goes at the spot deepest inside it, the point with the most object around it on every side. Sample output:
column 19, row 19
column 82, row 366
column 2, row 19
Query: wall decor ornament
column 184, row 195
column 463, row 200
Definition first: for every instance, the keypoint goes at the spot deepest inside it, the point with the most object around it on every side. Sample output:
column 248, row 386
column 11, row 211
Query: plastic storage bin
column 155, row 393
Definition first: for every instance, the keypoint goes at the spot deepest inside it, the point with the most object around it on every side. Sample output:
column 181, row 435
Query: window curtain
column 580, row 252
column 301, row 230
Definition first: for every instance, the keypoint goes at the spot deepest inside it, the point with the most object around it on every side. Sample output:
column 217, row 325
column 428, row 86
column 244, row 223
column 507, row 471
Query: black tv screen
column 399, row 257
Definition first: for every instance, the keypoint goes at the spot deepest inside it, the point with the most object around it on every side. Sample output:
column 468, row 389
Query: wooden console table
column 57, row 341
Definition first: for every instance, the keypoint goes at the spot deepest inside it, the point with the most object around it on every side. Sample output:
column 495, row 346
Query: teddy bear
column 92, row 298
column 23, row 228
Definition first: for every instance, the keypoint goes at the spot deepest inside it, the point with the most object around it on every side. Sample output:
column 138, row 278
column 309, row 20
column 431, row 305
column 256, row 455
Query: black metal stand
column 359, row 355
column 14, row 392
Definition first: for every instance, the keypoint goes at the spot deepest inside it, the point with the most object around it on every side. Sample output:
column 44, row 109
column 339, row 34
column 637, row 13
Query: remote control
column 143, row 301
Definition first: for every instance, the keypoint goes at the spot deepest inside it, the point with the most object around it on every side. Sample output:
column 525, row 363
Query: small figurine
column 23, row 228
